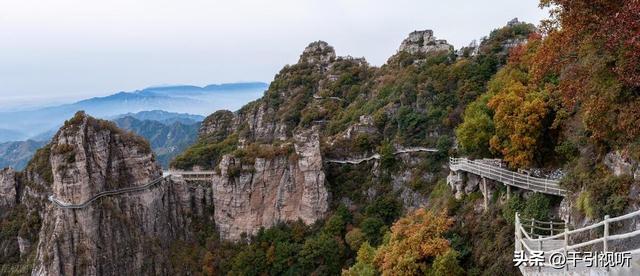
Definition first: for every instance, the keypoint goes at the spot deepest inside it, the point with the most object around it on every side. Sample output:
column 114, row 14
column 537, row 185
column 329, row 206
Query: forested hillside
column 416, row 99
column 561, row 96
column 314, row 178
column 569, row 98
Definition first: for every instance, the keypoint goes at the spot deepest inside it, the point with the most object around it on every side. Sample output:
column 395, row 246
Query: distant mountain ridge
column 164, row 117
column 17, row 154
column 192, row 89
column 166, row 140
column 183, row 99
column 168, row 134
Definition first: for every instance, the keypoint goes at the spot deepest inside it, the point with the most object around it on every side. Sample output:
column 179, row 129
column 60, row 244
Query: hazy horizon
column 71, row 49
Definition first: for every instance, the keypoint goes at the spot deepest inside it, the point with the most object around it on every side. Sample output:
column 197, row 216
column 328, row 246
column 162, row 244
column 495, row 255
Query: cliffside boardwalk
column 187, row 175
column 97, row 196
column 507, row 177
column 557, row 238
column 194, row 175
column 204, row 176
column 377, row 155
column 574, row 252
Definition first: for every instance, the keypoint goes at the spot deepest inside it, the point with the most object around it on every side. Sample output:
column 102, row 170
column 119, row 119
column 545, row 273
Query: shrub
column 355, row 238
column 364, row 262
column 583, row 204
column 205, row 154
column 477, row 128
column 40, row 164
column 515, row 204
column 447, row 264
column 414, row 242
column 372, row 228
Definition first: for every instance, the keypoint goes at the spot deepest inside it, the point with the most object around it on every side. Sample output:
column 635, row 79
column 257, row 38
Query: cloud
column 88, row 47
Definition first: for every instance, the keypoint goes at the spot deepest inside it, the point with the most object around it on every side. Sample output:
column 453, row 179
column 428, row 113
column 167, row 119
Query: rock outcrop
column 365, row 126
column 8, row 189
column 248, row 196
column 424, row 42
column 133, row 230
column 318, row 52
column 218, row 125
column 620, row 163
column 462, row 183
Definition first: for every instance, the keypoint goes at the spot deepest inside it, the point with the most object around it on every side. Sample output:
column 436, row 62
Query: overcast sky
column 81, row 48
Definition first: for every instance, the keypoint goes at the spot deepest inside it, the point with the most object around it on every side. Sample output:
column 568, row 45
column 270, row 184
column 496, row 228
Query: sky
column 70, row 49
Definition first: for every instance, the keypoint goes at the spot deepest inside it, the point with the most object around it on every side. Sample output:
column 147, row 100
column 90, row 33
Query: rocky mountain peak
column 318, row 52
column 424, row 42
column 89, row 156
column 218, row 125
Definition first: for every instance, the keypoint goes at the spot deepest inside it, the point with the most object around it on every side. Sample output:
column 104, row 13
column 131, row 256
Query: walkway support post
column 518, row 233
column 539, row 248
column 566, row 244
column 533, row 224
column 486, row 194
column 606, row 234
column 508, row 192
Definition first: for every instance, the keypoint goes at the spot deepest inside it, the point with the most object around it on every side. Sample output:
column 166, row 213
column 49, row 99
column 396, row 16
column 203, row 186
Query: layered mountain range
column 25, row 124
column 85, row 157
column 275, row 203
column 168, row 133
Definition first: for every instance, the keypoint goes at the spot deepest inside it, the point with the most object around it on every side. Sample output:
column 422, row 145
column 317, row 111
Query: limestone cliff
column 248, row 196
column 8, row 189
column 89, row 156
column 424, row 42
column 218, row 125
column 255, row 190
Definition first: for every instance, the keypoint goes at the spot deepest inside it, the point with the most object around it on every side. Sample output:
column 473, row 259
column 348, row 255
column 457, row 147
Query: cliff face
column 218, row 125
column 8, row 189
column 264, row 189
column 89, row 156
column 424, row 42
column 253, row 190
column 282, row 188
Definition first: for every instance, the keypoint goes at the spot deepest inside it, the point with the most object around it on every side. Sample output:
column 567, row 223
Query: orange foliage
column 520, row 108
column 414, row 242
column 593, row 60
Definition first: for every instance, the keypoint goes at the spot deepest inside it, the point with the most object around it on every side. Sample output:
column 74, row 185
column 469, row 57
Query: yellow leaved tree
column 416, row 246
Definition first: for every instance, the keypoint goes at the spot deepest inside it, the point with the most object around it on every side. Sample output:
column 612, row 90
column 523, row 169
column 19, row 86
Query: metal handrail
column 86, row 203
column 543, row 185
column 542, row 222
column 377, row 155
column 606, row 237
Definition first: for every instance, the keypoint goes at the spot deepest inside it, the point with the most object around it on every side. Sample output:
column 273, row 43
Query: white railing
column 523, row 181
column 65, row 205
column 603, row 240
column 562, row 244
column 187, row 175
column 353, row 160
column 377, row 155
column 194, row 175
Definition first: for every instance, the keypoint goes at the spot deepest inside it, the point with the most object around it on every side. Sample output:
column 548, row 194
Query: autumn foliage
column 594, row 53
column 414, row 243
column 584, row 64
